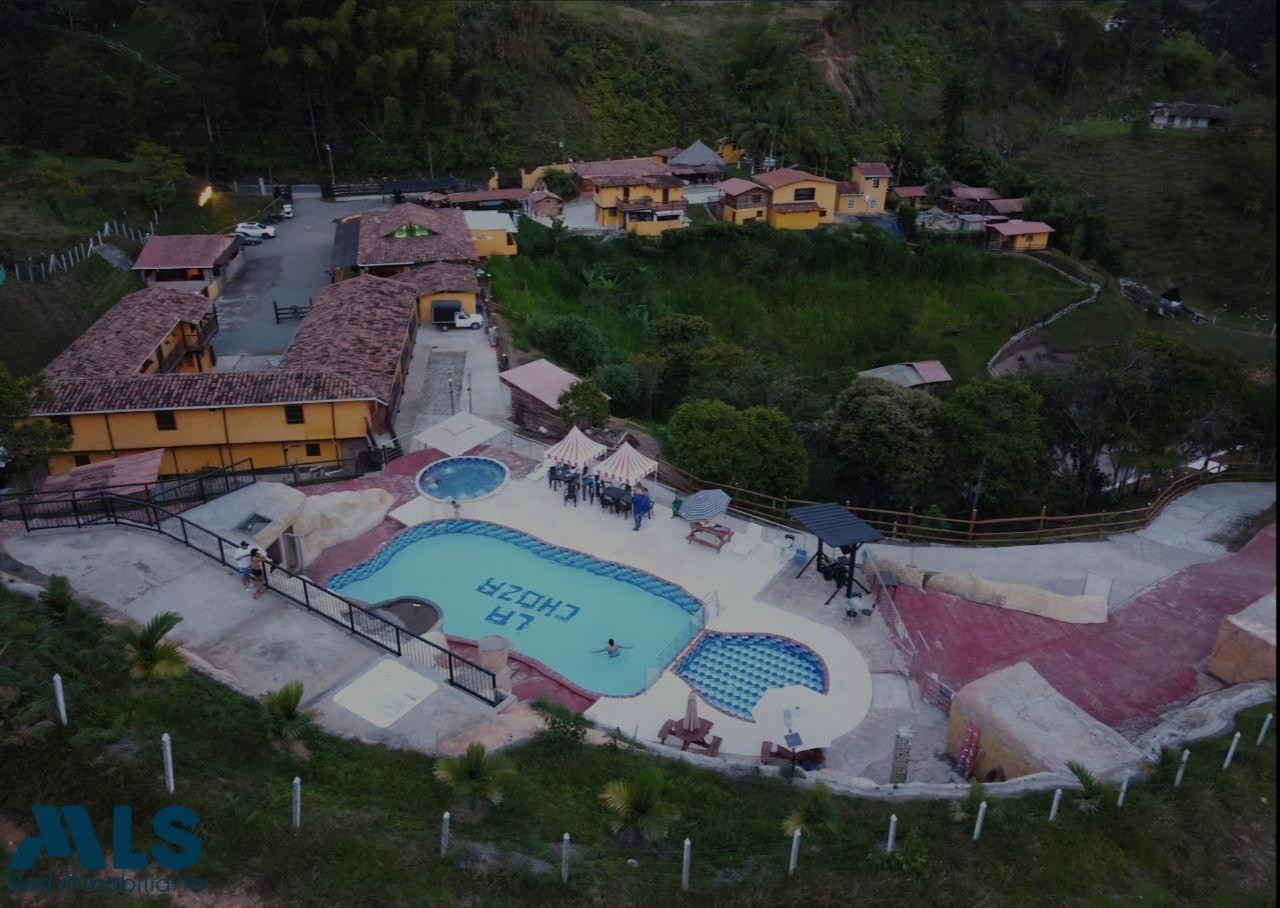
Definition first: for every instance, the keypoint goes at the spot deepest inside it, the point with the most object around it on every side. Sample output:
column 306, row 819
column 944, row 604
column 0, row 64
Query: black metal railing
column 183, row 489
column 461, row 672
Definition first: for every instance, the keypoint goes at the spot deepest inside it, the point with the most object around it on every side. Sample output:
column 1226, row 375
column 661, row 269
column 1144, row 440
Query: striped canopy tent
column 575, row 449
column 626, row 465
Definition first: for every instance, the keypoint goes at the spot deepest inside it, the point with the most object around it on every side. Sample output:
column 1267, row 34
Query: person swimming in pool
column 613, row 649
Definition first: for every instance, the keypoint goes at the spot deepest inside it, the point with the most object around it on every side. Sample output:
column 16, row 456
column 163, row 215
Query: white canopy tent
column 626, row 465
column 575, row 449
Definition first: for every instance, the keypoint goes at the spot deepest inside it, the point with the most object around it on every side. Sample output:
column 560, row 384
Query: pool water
column 733, row 671
column 462, row 478
column 553, row 604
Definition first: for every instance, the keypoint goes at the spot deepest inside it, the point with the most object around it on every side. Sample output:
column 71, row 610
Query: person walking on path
column 640, row 505
column 240, row 560
column 258, row 571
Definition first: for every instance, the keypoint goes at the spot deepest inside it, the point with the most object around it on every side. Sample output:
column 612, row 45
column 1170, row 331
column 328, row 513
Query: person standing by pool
column 457, row 509
column 258, row 571
column 640, row 505
column 613, row 649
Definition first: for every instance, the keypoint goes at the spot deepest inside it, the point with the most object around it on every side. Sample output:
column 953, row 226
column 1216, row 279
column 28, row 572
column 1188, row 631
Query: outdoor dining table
column 617, row 498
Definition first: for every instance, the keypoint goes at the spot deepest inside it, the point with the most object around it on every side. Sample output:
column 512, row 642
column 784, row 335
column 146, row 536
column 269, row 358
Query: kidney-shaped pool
column 553, row 604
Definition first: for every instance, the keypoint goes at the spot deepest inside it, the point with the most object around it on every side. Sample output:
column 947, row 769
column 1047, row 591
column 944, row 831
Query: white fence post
column 1057, row 802
column 166, row 748
column 297, row 802
column 62, row 700
column 1266, row 726
column 1231, row 751
column 684, row 868
column 795, row 852
column 444, row 834
column 564, row 859
column 977, row 826
column 893, row 833
column 1182, row 768
column 1124, row 789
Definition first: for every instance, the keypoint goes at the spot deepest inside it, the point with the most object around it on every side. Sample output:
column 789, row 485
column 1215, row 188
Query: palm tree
column 288, row 721
column 815, row 815
column 149, row 658
column 637, row 806
column 475, row 775
column 1092, row 789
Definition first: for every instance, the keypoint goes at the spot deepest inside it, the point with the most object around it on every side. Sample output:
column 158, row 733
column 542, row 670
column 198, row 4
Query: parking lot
column 289, row 269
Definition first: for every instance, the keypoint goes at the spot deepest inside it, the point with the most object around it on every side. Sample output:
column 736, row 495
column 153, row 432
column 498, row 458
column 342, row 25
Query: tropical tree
column 583, row 405
column 815, row 816
column 756, row 449
column 1092, row 789
column 161, row 170
column 287, row 719
column 637, row 806
column 475, row 776
column 149, row 657
column 26, row 443
column 561, row 183
column 997, row 442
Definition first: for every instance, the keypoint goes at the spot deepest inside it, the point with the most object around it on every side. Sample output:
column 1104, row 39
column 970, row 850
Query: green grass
column 371, row 814
column 1187, row 208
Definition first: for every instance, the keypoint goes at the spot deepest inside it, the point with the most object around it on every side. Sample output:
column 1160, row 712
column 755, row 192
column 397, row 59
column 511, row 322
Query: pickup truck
column 448, row 314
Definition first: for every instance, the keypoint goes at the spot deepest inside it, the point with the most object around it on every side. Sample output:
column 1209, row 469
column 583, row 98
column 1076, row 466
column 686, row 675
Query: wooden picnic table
column 698, row 736
column 708, row 535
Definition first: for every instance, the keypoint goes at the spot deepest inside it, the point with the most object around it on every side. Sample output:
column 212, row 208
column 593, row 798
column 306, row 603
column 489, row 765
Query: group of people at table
column 583, row 484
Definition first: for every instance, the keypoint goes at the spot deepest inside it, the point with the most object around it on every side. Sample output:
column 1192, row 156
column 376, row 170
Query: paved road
column 290, row 269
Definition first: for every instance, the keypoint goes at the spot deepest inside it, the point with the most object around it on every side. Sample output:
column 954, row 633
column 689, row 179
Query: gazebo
column 627, row 465
column 575, row 449
column 839, row 529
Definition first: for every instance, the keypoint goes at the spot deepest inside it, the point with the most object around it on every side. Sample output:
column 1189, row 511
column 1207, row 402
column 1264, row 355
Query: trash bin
column 800, row 556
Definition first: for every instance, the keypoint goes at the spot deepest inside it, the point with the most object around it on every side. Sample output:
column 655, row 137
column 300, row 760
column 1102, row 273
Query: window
column 166, row 421
column 805, row 195
column 875, row 182
column 511, row 241
column 82, row 460
column 408, row 230
column 293, row 414
column 853, row 201
column 871, row 204
column 313, row 450
column 64, row 421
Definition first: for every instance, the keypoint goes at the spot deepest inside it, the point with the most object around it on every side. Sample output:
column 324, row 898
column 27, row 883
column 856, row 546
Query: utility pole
column 332, row 179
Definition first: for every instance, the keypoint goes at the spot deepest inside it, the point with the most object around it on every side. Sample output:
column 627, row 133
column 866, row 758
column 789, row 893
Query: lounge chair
column 539, row 472
column 745, row 543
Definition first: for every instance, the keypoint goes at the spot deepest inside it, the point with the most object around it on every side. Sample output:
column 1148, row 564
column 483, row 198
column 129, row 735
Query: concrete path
column 473, row 364
column 1182, row 535
column 255, row 645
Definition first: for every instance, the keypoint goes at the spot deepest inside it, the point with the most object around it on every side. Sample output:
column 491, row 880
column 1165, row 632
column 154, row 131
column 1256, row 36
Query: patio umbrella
column 794, row 710
column 690, row 720
column 575, row 449
column 626, row 465
column 704, row 505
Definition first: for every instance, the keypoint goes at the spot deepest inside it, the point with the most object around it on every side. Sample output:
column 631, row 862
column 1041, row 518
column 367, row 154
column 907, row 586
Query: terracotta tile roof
column 791, row 207
column 737, row 186
column 542, row 379
column 909, row 192
column 127, row 334
column 440, row 277
column 874, row 169
column 1019, row 228
column 539, row 194
column 515, row 194
column 1007, row 206
column 848, row 187
column 668, row 152
column 449, row 240
column 357, row 329
column 122, row 474
column 177, row 251
column 973, row 193
column 636, row 167
column 198, row 390
column 787, row 175
column 624, row 179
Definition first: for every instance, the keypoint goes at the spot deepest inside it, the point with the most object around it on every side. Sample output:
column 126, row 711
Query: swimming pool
column 553, row 604
column 462, row 478
column 733, row 671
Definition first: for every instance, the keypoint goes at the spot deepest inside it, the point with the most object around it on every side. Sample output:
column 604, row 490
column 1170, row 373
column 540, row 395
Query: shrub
column 757, row 448
column 475, row 775
column 815, row 816
column 149, row 658
column 637, row 806
column 570, row 340
column 287, row 720
column 54, row 175
column 58, row 596
column 583, row 405
column 564, row 729
column 625, row 386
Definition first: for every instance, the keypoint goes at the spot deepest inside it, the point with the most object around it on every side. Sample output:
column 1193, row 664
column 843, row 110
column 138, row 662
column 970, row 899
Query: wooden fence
column 1042, row 527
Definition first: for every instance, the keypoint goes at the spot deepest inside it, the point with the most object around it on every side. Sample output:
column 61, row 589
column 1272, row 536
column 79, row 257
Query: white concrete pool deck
column 660, row 548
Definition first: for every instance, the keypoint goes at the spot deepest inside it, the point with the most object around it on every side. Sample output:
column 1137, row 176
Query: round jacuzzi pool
column 462, row 478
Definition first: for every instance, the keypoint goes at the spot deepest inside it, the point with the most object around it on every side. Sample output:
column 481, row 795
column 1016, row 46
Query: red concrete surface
column 1148, row 658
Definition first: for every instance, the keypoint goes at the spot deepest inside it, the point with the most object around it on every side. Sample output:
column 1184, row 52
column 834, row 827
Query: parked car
column 256, row 229
column 286, row 210
column 448, row 314
column 249, row 240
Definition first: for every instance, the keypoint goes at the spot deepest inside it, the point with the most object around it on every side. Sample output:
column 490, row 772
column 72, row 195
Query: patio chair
column 785, row 545
column 714, row 747
column 668, row 727
column 745, row 543
column 538, row 472
column 570, row 494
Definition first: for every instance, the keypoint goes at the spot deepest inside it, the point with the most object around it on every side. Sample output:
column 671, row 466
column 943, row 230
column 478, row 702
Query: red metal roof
column 931, row 371
column 908, row 192
column 786, row 176
column 737, row 186
column 973, row 193
column 874, row 169
column 1007, row 206
column 179, row 251
column 542, row 379
column 1019, row 228
column 515, row 194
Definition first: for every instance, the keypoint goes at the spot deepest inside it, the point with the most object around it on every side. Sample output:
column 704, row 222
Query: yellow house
column 529, row 179
column 866, row 191
column 743, row 201
column 728, row 150
column 334, row 394
column 638, row 194
column 798, row 200
column 664, row 155
column 494, row 232
column 441, row 283
column 1020, row 235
